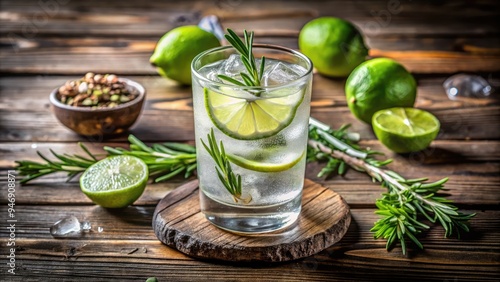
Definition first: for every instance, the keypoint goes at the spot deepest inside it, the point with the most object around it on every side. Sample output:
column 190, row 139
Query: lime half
column 263, row 165
column 405, row 130
column 250, row 119
column 115, row 182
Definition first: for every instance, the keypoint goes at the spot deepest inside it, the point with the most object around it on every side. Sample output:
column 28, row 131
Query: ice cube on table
column 66, row 228
column 464, row 85
column 280, row 74
column 86, row 226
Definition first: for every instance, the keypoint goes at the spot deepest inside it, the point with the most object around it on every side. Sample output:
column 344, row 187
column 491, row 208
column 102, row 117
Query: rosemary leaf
column 407, row 201
column 244, row 47
column 231, row 181
column 230, row 79
column 164, row 161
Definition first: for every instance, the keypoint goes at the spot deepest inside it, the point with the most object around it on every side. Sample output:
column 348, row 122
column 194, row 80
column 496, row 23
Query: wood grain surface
column 179, row 223
column 41, row 47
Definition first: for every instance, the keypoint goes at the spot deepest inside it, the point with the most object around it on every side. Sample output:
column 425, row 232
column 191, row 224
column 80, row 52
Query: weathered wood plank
column 472, row 168
column 127, row 237
column 23, row 38
column 462, row 124
column 75, row 258
column 134, row 223
column 310, row 269
column 73, row 61
column 443, row 153
column 24, row 100
column 441, row 61
column 373, row 17
column 410, row 42
column 30, row 93
column 467, row 188
column 358, row 191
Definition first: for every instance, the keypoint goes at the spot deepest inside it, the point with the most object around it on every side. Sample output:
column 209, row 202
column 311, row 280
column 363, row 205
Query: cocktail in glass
column 263, row 131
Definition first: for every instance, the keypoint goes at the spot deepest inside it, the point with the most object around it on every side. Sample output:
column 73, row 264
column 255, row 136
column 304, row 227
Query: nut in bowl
column 98, row 104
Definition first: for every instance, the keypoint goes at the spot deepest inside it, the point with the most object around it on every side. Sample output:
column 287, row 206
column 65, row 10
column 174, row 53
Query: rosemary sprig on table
column 255, row 74
column 72, row 164
column 164, row 161
column 231, row 181
column 406, row 202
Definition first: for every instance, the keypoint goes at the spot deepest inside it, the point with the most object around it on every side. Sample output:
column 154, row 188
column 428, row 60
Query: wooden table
column 44, row 45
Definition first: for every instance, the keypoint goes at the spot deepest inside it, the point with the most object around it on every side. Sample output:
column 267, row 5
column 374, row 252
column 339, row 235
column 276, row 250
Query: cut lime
column 405, row 130
column 250, row 119
column 115, row 182
column 263, row 166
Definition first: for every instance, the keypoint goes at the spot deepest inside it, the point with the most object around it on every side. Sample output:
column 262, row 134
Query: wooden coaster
column 179, row 223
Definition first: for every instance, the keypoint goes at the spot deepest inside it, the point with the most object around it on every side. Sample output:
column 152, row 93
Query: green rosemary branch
column 71, row 164
column 407, row 202
column 231, row 181
column 164, row 161
column 254, row 75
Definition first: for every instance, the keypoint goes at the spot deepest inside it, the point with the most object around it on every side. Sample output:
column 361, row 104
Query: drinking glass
column 261, row 131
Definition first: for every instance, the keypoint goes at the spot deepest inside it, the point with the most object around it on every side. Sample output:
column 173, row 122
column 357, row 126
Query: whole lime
column 334, row 46
column 379, row 84
column 177, row 48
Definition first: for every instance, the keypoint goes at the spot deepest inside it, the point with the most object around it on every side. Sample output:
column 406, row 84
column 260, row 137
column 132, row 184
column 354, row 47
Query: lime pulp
column 251, row 119
column 115, row 182
column 405, row 130
column 262, row 165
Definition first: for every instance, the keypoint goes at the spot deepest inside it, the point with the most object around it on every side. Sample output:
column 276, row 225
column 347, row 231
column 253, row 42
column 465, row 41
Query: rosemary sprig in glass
column 225, row 173
column 164, row 161
column 230, row 180
column 406, row 202
column 254, row 75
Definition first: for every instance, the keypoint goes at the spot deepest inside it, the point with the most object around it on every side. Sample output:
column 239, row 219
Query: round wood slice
column 179, row 223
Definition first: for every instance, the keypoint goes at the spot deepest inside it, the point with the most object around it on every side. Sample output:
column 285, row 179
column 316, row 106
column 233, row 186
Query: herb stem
column 167, row 160
column 406, row 201
column 244, row 47
column 357, row 163
column 373, row 171
column 382, row 172
column 322, row 129
column 230, row 180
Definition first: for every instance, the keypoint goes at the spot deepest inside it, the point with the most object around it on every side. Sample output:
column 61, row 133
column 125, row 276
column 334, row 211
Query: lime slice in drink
column 115, row 182
column 405, row 130
column 261, row 164
column 250, row 119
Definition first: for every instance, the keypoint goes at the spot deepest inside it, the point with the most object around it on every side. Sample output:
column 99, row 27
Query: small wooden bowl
column 101, row 121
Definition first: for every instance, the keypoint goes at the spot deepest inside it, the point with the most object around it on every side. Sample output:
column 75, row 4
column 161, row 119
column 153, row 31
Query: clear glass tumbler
column 263, row 131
